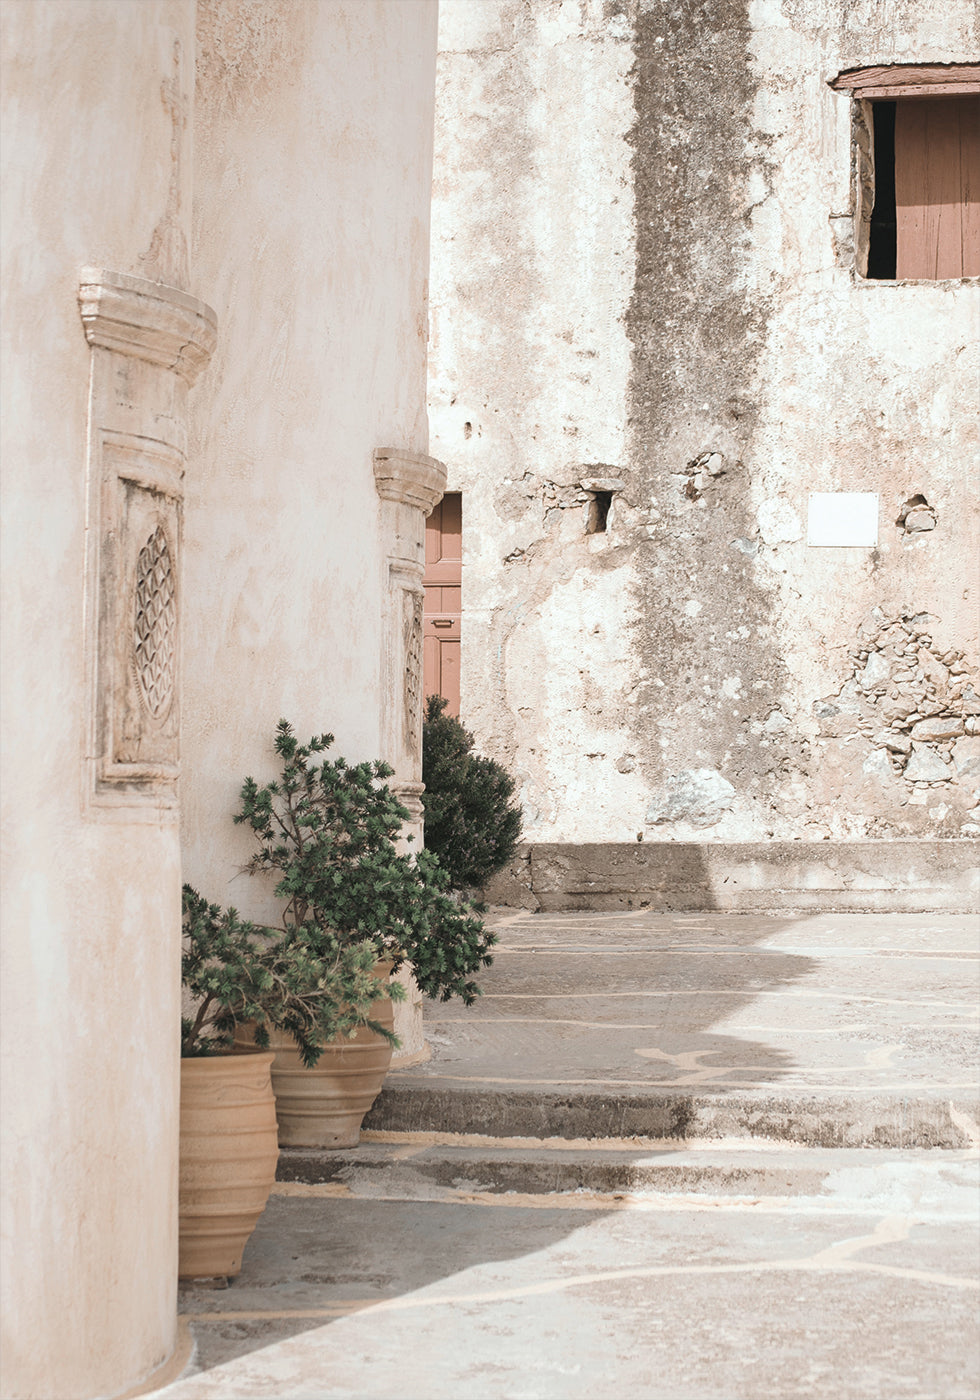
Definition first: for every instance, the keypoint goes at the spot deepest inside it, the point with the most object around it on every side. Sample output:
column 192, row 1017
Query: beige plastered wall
column 644, row 281
column 92, row 167
column 313, row 150
column 311, row 153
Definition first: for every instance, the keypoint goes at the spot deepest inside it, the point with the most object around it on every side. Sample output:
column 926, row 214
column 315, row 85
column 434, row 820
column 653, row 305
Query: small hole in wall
column 467, row 430
column 916, row 516
column 598, row 512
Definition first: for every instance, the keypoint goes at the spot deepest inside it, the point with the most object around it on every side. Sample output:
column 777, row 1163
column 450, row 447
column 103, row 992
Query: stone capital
column 411, row 478
column 147, row 320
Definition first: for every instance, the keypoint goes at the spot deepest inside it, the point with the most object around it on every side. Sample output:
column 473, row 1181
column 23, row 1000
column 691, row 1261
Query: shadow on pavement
column 587, row 1023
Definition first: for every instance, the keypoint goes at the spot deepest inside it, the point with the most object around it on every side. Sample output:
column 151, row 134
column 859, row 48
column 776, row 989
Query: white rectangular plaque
column 842, row 518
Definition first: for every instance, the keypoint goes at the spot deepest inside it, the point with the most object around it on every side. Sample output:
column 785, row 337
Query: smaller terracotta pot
column 228, row 1157
column 324, row 1106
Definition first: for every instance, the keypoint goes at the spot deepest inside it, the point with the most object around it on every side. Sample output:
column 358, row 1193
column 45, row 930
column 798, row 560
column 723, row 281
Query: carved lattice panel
column 155, row 625
column 149, row 342
column 137, row 683
column 412, row 604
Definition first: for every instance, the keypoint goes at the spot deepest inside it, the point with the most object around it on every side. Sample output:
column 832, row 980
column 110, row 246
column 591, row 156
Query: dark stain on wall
column 696, row 335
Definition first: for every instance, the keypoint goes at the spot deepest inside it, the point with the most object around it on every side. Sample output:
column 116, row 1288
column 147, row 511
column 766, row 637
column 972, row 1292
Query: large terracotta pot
column 324, row 1106
column 228, row 1156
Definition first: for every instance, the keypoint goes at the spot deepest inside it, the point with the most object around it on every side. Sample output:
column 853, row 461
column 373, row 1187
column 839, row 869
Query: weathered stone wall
column 643, row 283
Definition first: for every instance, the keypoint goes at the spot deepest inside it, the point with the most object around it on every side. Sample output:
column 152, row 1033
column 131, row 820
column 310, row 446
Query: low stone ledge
column 754, row 877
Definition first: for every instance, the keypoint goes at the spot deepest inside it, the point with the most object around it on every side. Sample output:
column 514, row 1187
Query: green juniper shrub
column 471, row 823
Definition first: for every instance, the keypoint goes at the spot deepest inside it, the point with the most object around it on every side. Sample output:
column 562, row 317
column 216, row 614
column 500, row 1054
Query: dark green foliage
column 327, row 831
column 299, row 981
column 470, row 821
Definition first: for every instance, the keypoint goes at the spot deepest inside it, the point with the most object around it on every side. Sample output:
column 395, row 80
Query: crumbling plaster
column 643, row 272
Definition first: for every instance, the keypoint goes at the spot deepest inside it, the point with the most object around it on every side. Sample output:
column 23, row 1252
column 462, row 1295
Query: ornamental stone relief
column 137, row 687
column 413, row 665
column 155, row 625
column 409, row 484
column 149, row 343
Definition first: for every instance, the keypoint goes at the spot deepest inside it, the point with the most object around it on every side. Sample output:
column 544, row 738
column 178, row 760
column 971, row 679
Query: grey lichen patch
column 698, row 796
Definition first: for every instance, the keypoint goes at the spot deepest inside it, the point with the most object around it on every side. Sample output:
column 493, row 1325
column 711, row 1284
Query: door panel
column 443, row 600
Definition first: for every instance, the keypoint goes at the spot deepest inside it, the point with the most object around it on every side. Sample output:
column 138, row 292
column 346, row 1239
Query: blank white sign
column 842, row 518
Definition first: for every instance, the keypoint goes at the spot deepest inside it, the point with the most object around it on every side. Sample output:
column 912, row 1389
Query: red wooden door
column 937, row 186
column 443, row 599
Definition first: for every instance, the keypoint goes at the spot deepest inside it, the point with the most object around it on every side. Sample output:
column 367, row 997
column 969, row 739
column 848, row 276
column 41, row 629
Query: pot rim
column 199, row 1064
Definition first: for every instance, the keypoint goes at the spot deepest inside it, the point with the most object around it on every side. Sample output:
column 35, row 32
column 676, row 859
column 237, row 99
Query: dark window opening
column 882, row 243
column 917, row 170
column 598, row 514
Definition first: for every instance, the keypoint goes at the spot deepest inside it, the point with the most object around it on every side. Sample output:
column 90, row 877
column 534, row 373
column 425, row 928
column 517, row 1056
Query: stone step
column 406, row 1166
column 820, row 1119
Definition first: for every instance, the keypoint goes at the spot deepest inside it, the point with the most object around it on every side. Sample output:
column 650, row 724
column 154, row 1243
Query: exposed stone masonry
column 916, row 704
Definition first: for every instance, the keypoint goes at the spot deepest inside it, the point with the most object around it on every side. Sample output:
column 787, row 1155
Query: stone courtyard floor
column 664, row 1156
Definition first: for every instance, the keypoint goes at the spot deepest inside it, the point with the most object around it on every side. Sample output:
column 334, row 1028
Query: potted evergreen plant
column 235, row 971
column 326, row 831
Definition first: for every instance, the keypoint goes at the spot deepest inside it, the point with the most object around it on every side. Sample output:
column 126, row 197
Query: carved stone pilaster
column 410, row 796
column 147, row 320
column 149, row 343
column 409, row 485
column 409, row 478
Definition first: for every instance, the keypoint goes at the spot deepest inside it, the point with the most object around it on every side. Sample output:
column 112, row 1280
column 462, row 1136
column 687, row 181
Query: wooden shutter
column 937, row 186
column 443, row 600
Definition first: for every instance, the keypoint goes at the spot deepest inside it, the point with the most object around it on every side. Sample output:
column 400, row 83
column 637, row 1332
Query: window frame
column 891, row 83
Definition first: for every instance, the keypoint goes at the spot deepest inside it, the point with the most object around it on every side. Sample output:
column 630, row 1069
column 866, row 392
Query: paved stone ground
column 843, row 1030
column 479, row 1246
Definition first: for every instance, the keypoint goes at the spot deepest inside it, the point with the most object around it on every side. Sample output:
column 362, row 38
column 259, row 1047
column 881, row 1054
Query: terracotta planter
column 324, row 1106
column 228, row 1156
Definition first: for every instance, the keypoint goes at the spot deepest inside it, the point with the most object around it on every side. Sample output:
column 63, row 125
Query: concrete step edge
column 413, row 1168
column 814, row 1119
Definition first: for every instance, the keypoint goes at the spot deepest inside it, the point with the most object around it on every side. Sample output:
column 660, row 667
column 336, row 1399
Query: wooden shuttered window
column 925, row 120
column 937, row 187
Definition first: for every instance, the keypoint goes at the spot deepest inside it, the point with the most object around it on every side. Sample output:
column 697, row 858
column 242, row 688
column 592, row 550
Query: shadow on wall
column 880, row 876
column 606, row 875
